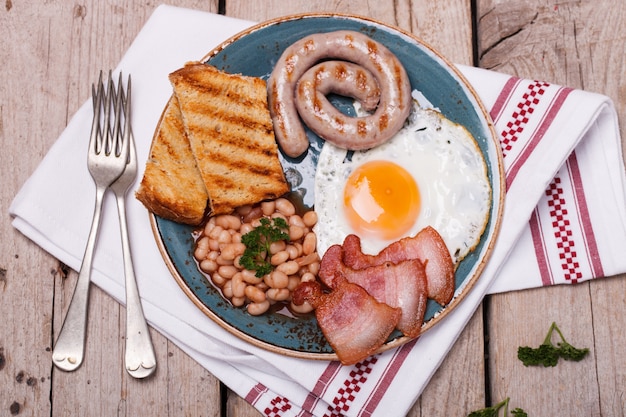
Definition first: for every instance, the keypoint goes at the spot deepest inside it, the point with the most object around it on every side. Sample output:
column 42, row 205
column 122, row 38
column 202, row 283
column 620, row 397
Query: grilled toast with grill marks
column 172, row 186
column 227, row 122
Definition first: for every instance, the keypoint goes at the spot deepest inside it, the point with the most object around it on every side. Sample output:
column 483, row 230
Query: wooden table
column 51, row 52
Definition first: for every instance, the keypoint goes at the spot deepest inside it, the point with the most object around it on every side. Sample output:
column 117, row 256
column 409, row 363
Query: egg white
column 445, row 161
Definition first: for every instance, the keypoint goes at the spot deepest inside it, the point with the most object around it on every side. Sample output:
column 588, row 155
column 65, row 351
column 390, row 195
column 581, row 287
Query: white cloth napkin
column 564, row 221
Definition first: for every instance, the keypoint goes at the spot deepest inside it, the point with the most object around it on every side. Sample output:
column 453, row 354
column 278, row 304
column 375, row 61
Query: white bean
column 228, row 221
column 239, row 286
column 257, row 309
column 310, row 218
column 219, row 280
column 215, row 232
column 296, row 220
column 238, row 301
column 250, row 277
column 208, row 266
column 309, row 244
column 231, row 250
column 279, row 258
column 278, row 246
column 227, row 271
column 268, row 207
column 227, row 289
column 307, row 277
column 276, row 279
column 295, row 232
column 302, row 309
column 202, row 248
column 288, row 268
column 285, row 207
column 278, row 294
column 254, row 294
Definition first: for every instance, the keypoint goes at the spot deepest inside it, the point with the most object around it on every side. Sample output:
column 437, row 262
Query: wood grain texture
column 52, row 52
column 577, row 44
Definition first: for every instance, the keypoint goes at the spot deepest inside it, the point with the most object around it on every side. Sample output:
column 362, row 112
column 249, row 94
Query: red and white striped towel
column 564, row 222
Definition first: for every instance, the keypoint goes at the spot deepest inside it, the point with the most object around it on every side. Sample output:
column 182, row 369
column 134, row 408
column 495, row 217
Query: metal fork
column 140, row 360
column 106, row 160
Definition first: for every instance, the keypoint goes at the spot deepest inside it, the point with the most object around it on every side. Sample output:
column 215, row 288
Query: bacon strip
column 402, row 285
column 353, row 322
column 427, row 246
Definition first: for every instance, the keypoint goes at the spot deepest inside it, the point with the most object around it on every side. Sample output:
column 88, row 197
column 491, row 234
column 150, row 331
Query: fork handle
column 69, row 349
column 140, row 359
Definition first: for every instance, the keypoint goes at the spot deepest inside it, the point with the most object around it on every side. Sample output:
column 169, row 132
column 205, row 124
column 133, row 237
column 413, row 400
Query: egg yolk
column 381, row 200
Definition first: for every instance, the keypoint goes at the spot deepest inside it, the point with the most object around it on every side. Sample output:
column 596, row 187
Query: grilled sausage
column 354, row 133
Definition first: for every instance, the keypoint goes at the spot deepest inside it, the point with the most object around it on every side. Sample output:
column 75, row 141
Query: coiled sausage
column 354, row 133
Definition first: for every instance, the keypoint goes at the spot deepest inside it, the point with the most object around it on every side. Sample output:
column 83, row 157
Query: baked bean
column 250, row 277
column 221, row 261
column 276, row 247
column 295, row 232
column 202, row 248
column 296, row 221
column 278, row 294
column 310, row 218
column 227, row 271
column 294, row 281
column 257, row 309
column 209, row 266
column 228, row 221
column 288, row 268
column 279, row 257
column 238, row 284
column 227, row 289
column 309, row 244
column 238, row 301
column 224, row 236
column 302, row 309
column 307, row 277
column 246, row 228
column 276, row 279
column 292, row 251
column 285, row 207
column 252, row 215
column 215, row 232
column 230, row 251
column 219, row 250
column 209, row 226
column 219, row 280
column 214, row 245
column 255, row 294
column 268, row 207
column 314, row 267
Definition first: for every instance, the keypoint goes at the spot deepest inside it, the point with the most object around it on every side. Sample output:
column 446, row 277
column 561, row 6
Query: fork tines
column 110, row 134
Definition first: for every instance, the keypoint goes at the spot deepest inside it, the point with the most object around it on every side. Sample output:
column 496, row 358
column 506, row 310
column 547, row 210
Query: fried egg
column 431, row 173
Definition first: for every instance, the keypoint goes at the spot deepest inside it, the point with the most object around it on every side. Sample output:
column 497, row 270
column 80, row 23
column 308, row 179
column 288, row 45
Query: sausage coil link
column 356, row 133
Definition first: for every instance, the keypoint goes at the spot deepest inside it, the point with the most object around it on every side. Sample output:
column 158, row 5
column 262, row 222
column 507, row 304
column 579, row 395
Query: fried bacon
column 353, row 322
column 427, row 246
column 402, row 285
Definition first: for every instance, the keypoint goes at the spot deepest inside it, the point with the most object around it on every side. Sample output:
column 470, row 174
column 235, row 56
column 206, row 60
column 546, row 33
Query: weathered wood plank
column 51, row 54
column 575, row 44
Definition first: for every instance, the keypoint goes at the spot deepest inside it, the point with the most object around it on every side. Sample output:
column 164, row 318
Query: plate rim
column 493, row 224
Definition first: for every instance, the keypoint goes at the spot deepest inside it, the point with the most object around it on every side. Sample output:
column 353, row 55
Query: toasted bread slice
column 228, row 125
column 172, row 186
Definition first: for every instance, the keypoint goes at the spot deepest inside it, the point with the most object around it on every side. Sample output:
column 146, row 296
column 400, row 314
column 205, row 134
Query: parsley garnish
column 494, row 410
column 258, row 241
column 547, row 354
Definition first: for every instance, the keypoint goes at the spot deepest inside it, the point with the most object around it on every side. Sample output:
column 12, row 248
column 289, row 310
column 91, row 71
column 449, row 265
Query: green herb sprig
column 548, row 354
column 258, row 240
column 494, row 410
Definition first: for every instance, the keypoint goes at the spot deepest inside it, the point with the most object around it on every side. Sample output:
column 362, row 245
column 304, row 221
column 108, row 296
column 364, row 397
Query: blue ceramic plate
column 254, row 52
